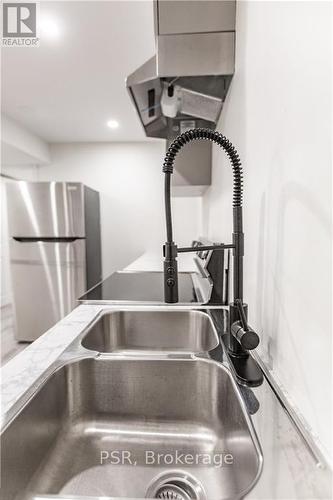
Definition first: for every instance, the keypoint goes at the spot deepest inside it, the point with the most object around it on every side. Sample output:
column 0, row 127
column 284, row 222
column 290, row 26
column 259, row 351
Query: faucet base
column 245, row 369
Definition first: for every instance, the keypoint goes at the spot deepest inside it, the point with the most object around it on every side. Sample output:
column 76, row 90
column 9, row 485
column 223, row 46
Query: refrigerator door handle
column 53, row 239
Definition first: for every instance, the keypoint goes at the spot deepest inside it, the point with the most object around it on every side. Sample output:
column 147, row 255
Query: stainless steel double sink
column 140, row 412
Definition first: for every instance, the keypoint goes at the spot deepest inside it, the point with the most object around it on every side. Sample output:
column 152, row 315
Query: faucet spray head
column 170, row 273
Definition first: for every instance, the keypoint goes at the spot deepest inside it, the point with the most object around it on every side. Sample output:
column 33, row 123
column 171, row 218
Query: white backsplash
column 276, row 116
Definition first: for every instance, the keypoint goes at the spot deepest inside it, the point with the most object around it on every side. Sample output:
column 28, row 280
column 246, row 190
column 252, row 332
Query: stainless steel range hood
column 185, row 84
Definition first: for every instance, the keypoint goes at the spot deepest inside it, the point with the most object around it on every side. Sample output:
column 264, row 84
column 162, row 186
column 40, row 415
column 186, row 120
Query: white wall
column 20, row 146
column 278, row 115
column 130, row 181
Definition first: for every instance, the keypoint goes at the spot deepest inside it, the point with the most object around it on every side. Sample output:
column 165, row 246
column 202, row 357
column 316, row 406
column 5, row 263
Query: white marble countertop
column 290, row 471
column 22, row 371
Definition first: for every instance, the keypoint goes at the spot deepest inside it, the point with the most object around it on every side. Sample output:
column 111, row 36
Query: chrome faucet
column 242, row 338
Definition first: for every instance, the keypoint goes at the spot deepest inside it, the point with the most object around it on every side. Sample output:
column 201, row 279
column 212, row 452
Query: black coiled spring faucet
column 241, row 337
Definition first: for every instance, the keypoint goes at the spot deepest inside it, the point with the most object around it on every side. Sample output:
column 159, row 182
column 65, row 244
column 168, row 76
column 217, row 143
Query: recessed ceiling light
column 49, row 28
column 113, row 124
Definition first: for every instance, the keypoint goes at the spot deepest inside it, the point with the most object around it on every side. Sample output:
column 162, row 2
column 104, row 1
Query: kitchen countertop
column 290, row 469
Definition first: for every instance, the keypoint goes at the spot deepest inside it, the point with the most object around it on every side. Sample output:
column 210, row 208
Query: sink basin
column 61, row 442
column 180, row 331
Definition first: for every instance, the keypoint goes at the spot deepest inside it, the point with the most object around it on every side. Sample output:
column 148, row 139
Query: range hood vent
column 185, row 84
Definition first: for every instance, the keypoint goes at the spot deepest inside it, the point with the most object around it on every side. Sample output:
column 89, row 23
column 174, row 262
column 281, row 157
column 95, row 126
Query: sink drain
column 174, row 492
column 176, row 486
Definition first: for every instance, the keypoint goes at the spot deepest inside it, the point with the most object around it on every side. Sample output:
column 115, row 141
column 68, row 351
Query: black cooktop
column 138, row 287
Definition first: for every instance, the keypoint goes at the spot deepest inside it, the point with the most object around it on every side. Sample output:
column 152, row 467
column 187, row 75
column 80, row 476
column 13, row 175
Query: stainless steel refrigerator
column 55, row 250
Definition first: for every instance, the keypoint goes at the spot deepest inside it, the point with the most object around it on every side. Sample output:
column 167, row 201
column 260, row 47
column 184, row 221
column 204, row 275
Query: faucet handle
column 248, row 338
column 241, row 330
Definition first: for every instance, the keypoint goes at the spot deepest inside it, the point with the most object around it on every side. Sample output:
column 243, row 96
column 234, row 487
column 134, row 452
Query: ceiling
column 68, row 88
